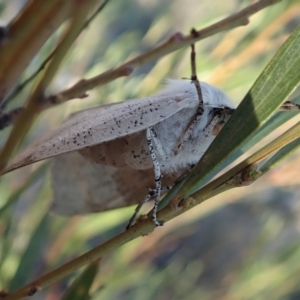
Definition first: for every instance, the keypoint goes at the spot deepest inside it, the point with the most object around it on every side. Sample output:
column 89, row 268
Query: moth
column 120, row 154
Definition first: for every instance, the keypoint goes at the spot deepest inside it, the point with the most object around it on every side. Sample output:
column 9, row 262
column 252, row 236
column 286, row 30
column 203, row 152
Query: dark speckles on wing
column 102, row 124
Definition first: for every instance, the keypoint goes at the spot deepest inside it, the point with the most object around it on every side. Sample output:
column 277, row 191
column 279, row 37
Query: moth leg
column 188, row 131
column 157, row 143
column 157, row 176
column 148, row 197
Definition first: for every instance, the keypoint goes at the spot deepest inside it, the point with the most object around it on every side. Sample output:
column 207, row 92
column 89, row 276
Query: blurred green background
column 244, row 244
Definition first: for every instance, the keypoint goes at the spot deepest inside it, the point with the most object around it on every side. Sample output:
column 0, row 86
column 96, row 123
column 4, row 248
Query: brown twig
column 194, row 77
column 175, row 42
column 42, row 66
column 133, row 232
column 143, row 227
column 188, row 131
column 35, row 102
column 27, row 33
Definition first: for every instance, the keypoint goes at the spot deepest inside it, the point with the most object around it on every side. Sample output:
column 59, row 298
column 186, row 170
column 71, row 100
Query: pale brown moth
column 101, row 156
column 130, row 152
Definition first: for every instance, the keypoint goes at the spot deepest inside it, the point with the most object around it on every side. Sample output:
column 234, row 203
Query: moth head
column 212, row 95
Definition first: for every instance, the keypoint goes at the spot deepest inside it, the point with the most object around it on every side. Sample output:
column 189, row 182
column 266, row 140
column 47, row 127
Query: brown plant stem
column 42, row 66
column 143, row 227
column 35, row 102
column 175, row 42
column 27, row 33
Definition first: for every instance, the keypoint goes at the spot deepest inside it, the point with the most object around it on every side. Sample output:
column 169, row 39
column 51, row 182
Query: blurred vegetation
column 244, row 244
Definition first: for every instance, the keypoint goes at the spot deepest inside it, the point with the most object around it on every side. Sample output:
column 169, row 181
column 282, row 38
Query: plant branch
column 23, row 84
column 27, row 33
column 144, row 226
column 140, row 229
column 35, row 102
column 175, row 42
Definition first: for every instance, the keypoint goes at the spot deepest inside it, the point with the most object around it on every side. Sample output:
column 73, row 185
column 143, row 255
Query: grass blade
column 271, row 89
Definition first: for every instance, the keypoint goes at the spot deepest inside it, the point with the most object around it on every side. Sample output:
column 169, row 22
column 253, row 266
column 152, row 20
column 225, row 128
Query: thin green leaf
column 291, row 135
column 31, row 255
column 270, row 90
column 14, row 197
column 280, row 155
column 79, row 289
column 5, row 211
column 276, row 120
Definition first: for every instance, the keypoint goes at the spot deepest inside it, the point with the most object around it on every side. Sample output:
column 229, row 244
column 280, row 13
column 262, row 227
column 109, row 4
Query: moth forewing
column 106, row 123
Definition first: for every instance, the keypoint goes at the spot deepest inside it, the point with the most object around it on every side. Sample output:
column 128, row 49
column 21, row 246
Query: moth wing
column 102, row 124
column 80, row 186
